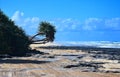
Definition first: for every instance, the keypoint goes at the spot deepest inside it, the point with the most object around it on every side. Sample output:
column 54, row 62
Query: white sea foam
column 103, row 44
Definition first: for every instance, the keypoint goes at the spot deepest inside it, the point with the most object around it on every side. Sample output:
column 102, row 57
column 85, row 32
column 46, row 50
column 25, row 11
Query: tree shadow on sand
column 17, row 60
column 21, row 61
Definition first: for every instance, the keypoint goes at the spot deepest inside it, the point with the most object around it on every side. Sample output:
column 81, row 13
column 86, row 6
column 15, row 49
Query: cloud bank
column 69, row 23
column 90, row 27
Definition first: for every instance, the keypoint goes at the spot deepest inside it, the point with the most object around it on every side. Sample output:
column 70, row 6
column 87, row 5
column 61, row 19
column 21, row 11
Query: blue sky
column 75, row 20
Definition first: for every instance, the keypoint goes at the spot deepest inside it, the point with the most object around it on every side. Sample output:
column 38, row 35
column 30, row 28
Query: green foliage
column 48, row 30
column 13, row 40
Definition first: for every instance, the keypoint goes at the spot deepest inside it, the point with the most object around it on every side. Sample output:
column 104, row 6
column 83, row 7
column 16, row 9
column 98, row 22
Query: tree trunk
column 42, row 41
column 36, row 35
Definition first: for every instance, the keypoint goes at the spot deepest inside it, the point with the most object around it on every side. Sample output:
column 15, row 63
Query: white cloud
column 17, row 15
column 101, row 24
column 34, row 19
column 65, row 24
column 28, row 24
column 20, row 20
column 113, row 23
column 91, row 23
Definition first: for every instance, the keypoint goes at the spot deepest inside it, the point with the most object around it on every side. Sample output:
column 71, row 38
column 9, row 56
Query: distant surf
column 102, row 44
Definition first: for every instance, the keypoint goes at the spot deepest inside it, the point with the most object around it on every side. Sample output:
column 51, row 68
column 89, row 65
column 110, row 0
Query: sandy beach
column 63, row 62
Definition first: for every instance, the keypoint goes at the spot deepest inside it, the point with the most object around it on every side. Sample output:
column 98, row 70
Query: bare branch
column 40, row 40
column 36, row 35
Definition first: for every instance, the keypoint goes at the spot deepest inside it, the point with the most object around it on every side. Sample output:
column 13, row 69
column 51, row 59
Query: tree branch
column 35, row 36
column 40, row 40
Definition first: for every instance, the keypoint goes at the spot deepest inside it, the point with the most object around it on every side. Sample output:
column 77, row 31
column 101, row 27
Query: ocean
column 102, row 44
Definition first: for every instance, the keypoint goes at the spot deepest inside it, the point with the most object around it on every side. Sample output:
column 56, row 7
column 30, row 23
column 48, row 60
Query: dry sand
column 52, row 64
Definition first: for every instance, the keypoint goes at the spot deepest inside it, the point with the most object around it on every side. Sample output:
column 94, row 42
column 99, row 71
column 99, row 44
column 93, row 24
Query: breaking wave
column 103, row 44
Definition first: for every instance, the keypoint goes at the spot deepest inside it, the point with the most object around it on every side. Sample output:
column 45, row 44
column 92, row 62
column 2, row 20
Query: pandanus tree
column 46, row 30
column 14, row 41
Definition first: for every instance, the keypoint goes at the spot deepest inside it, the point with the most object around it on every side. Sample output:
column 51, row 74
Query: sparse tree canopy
column 46, row 29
